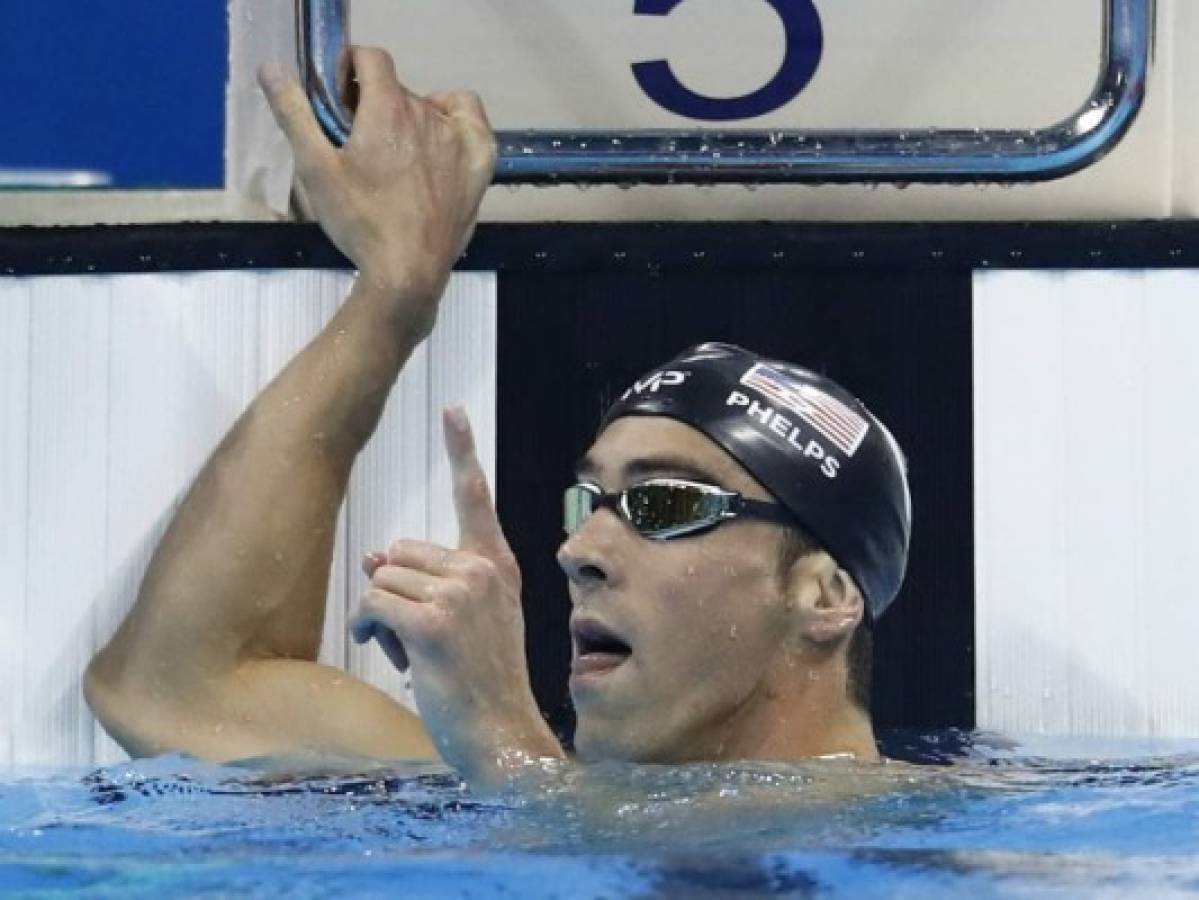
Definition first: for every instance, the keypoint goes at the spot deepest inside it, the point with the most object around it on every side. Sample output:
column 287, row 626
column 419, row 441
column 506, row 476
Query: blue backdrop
column 134, row 88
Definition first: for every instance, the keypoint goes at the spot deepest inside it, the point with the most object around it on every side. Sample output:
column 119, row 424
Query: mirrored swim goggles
column 664, row 508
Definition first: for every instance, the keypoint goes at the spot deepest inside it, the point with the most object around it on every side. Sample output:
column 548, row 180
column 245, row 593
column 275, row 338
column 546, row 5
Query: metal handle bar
column 706, row 157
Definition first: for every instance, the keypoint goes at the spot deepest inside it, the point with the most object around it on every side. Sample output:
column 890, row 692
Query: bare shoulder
column 262, row 708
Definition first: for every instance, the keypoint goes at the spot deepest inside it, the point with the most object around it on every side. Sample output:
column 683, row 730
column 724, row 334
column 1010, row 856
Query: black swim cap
column 807, row 440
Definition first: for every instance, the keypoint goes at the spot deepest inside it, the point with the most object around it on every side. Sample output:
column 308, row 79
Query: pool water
column 989, row 818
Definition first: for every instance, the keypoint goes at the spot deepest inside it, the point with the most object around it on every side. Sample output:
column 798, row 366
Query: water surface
column 987, row 817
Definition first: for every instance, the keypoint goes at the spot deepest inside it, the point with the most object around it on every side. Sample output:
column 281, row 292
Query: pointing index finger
column 478, row 527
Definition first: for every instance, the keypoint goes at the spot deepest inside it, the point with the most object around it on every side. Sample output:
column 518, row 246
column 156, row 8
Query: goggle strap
column 763, row 510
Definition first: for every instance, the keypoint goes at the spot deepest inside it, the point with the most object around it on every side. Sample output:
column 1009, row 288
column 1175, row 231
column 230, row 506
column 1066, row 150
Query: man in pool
column 736, row 524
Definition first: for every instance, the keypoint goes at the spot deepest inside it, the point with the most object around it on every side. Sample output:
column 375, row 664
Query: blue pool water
column 990, row 820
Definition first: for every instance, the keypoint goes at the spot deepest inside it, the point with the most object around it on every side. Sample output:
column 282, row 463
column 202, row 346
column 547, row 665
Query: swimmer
column 734, row 530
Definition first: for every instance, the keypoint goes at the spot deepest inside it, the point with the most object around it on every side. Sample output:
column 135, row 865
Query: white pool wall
column 1086, row 386
column 113, row 392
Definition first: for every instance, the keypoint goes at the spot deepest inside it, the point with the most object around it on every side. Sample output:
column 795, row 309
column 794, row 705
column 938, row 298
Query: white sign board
column 770, row 65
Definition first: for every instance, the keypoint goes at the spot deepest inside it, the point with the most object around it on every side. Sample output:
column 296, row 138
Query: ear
column 826, row 598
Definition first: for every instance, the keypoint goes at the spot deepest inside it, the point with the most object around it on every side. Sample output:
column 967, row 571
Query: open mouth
column 598, row 649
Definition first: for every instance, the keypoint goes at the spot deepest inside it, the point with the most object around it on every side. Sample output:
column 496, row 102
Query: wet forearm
column 244, row 566
column 327, row 401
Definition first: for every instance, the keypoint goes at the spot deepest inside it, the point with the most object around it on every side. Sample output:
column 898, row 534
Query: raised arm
column 217, row 656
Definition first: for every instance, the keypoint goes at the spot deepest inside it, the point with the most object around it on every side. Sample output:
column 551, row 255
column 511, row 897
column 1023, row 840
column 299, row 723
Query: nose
column 588, row 557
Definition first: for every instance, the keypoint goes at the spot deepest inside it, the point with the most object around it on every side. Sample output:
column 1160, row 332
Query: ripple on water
column 989, row 813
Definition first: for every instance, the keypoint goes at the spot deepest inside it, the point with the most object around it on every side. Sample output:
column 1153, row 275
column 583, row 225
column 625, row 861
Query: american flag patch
column 828, row 415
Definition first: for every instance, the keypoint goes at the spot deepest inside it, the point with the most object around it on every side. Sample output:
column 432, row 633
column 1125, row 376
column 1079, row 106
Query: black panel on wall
column 571, row 340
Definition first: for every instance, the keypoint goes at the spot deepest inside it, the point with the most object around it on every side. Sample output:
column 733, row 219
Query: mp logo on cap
column 655, row 382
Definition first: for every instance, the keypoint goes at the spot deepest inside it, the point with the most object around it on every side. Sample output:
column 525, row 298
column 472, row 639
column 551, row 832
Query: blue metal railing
column 749, row 157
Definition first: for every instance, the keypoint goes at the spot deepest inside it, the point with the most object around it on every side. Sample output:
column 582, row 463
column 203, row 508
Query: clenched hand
column 401, row 197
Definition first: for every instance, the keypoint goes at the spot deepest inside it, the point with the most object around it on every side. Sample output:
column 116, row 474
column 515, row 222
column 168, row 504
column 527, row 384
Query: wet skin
column 722, row 664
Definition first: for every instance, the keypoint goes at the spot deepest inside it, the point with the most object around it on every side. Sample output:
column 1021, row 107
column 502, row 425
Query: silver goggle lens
column 659, row 508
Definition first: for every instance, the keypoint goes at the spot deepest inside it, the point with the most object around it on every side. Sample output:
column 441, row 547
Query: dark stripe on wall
column 648, row 248
column 568, row 342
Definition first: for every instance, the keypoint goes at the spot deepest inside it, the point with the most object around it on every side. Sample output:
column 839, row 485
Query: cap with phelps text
column 813, row 445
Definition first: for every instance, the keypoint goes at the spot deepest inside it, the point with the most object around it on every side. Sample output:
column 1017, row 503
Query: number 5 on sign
column 805, row 42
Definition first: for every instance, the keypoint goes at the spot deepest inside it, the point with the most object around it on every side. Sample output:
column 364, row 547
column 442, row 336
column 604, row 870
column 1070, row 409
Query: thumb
column 478, row 526
column 294, row 115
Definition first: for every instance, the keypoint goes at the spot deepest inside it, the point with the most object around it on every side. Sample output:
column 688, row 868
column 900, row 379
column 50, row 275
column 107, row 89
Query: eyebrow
column 652, row 465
